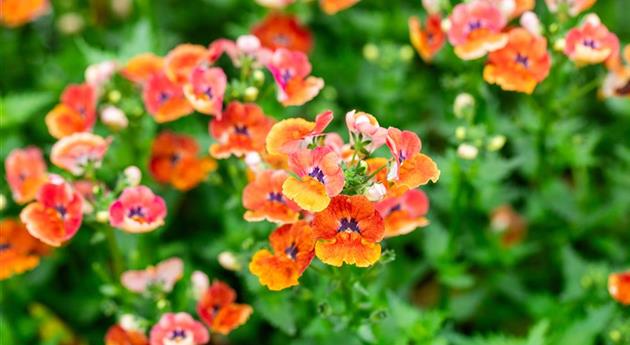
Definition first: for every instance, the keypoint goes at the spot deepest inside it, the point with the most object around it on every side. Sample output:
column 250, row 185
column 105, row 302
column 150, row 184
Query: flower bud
column 375, row 192
column 133, row 175
column 406, row 53
column 70, row 23
column 529, row 20
column 559, row 44
column 99, row 74
column 370, row 52
column 464, row 106
column 251, row 93
column 3, row 202
column 229, row 261
column 130, row 322
column 431, row 6
column 122, row 8
column 445, row 25
column 259, row 77
column 114, row 118
column 102, row 217
column 248, row 44
column 200, row 283
column 460, row 133
column 114, row 96
column 496, row 143
column 467, row 151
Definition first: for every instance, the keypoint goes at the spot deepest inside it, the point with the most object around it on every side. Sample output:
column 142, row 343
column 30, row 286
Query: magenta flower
column 137, row 210
column 178, row 329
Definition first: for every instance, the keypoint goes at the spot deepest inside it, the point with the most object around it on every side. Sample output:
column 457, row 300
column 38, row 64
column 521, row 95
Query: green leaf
column 278, row 310
column 17, row 109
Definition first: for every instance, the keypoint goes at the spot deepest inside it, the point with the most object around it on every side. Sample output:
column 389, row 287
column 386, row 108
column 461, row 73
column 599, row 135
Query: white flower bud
column 114, row 118
column 130, row 322
column 529, row 20
column 464, row 105
column 446, row 25
column 3, row 202
column 200, row 283
column 248, row 44
column 122, row 8
column 559, row 44
column 102, row 217
column 99, row 74
column 229, row 261
column 467, row 151
column 133, row 175
column 70, row 23
column 496, row 142
column 251, row 93
column 376, row 192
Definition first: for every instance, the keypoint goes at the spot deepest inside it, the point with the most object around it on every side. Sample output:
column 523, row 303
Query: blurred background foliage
column 565, row 169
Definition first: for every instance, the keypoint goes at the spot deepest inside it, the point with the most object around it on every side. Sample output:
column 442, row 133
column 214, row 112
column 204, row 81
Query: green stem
column 114, row 250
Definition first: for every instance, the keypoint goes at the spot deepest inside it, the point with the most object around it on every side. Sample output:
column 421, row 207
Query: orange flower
column 174, row 160
column 263, row 199
column 218, row 310
column 25, row 173
column 142, row 66
column 320, row 178
column 349, row 231
column 293, row 250
column 428, row 40
column 475, row 29
column 619, row 287
column 293, row 134
column 290, row 70
column 591, row 43
column 19, row 251
column 180, row 61
column 76, row 152
column 205, row 90
column 521, row 64
column 117, row 335
column 331, row 7
column 283, row 31
column 412, row 168
column 242, row 129
column 405, row 213
column 56, row 215
column 76, row 113
column 14, row 13
column 165, row 100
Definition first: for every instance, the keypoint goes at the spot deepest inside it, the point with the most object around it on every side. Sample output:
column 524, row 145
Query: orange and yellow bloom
column 283, row 31
column 116, row 335
column 619, row 287
column 290, row 70
column 405, row 213
column 290, row 135
column 26, row 173
column 165, row 100
column 75, row 113
column 137, row 210
column 293, row 250
column 263, row 199
column 591, row 43
column 179, row 62
column 14, row 13
column 140, row 67
column 76, row 152
column 19, row 251
column 217, row 308
column 428, row 39
column 412, row 168
column 333, row 6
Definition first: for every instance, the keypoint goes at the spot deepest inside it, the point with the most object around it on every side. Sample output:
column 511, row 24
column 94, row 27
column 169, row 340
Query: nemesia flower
column 333, row 6
column 97, row 75
column 137, row 210
column 114, row 118
column 199, row 283
column 320, row 178
column 293, row 250
column 619, row 287
column 178, row 329
column 25, row 173
column 164, row 100
column 375, row 192
column 283, row 31
column 14, row 13
column 521, row 64
column 575, row 7
column 181, row 60
column 367, row 127
column 427, row 40
column 245, row 47
column 117, row 335
column 164, row 275
column 405, row 213
column 174, row 160
column 241, row 130
column 511, row 226
column 290, row 70
column 263, row 199
column 348, row 231
column 76, row 152
column 19, row 251
column 411, row 168
column 75, row 113
column 218, row 310
column 591, row 43
column 529, row 20
column 291, row 135
column 475, row 29
column 56, row 215
column 205, row 90
column 140, row 67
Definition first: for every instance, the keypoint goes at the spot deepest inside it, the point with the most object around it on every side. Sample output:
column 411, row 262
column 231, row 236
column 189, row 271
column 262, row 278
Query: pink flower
column 164, row 275
column 290, row 70
column 137, row 210
column 77, row 151
column 97, row 75
column 367, row 127
column 475, row 29
column 178, row 329
column 205, row 90
column 591, row 43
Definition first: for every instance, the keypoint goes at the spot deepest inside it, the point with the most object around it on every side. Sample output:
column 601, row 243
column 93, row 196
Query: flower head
column 75, row 113
column 164, row 275
column 367, row 128
column 475, row 29
column 290, row 70
column 76, row 152
column 117, row 335
column 412, row 168
column 591, row 43
column 348, row 231
column 333, row 6
column 19, row 251
column 25, row 173
column 619, row 287
column 56, row 215
column 291, row 135
column 205, row 90
column 428, row 39
column 293, row 250
column 218, row 310
column 263, row 199
column 14, row 13
column 283, row 31
column 140, row 67
column 404, row 213
column 178, row 329
column 137, row 210
column 164, row 99
column 179, row 62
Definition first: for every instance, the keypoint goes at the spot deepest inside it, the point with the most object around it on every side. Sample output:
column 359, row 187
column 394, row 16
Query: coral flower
column 283, row 31
column 367, row 127
column 349, row 231
column 25, row 172
column 164, row 275
column 165, row 100
column 412, row 168
column 333, row 6
column 137, row 210
column 242, row 129
column 78, row 151
column 619, row 287
column 14, row 13
column 591, row 43
column 320, row 178
column 205, row 90
column 179, row 62
column 116, row 335
column 293, row 250
column 19, row 251
column 263, row 199
column 218, row 310
column 290, row 70
column 291, row 135
column 574, row 7
column 56, row 215
column 521, row 64
column 475, row 29
column 142, row 66
column 427, row 40
column 75, row 113
column 405, row 213
column 178, row 329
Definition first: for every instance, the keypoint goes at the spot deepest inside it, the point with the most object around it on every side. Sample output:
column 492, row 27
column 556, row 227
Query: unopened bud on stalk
column 370, row 52
column 3, row 202
column 460, row 133
column 251, row 93
column 559, row 44
column 229, row 261
column 375, row 192
column 122, row 8
column 406, row 53
column 259, row 77
column 464, row 106
column 114, row 118
column 133, row 175
column 70, row 23
column 200, row 283
column 130, row 322
column 102, row 217
column 446, row 25
column 114, row 96
column 248, row 44
column 529, row 20
column 496, row 143
column 467, row 151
